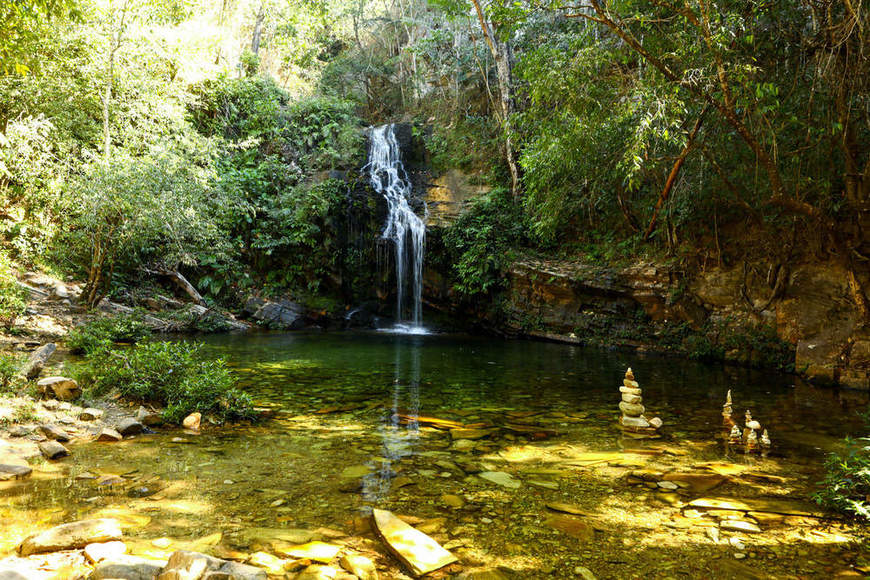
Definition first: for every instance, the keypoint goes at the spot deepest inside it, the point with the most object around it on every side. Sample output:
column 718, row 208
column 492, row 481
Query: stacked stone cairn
column 751, row 439
column 727, row 421
column 633, row 420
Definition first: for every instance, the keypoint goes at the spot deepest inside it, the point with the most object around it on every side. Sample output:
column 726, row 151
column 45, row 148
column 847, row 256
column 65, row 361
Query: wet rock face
column 575, row 302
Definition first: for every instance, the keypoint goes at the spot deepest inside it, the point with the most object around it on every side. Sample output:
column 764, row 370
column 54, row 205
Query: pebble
column 739, row 555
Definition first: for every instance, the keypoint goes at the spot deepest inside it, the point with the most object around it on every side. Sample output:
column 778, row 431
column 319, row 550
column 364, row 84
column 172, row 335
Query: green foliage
column 134, row 212
column 277, row 208
column 13, row 298
column 481, row 243
column 9, row 365
column 171, row 374
column 471, row 143
column 726, row 340
column 23, row 22
column 846, row 487
column 100, row 333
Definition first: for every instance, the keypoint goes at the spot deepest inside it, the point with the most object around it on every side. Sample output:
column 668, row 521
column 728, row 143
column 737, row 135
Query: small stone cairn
column 727, row 421
column 748, row 439
column 633, row 419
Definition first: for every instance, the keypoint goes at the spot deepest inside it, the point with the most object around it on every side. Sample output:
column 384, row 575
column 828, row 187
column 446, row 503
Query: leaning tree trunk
column 501, row 53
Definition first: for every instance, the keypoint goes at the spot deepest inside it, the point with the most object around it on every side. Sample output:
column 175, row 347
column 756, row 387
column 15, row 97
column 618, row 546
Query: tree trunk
column 258, row 28
column 501, row 53
column 672, row 178
column 117, row 38
column 182, row 283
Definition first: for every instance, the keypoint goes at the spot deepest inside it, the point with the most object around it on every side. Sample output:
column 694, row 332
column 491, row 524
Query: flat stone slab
column 316, row 551
column 53, row 450
column 470, row 433
column 8, row 472
column 54, row 432
column 501, row 478
column 773, row 506
column 72, row 536
column 739, row 526
column 567, row 508
column 420, row 553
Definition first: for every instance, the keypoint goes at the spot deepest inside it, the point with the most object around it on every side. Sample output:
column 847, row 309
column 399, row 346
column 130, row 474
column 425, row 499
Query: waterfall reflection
column 399, row 430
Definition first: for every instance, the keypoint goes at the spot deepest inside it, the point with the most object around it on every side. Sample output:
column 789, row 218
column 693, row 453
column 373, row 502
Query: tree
column 21, row 23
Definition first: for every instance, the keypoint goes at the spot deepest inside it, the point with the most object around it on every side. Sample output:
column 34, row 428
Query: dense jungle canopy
column 189, row 134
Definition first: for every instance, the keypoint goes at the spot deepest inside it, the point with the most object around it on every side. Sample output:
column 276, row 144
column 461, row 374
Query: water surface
column 351, row 432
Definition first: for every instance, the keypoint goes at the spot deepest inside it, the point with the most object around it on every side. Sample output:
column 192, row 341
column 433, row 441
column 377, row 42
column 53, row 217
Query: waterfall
column 404, row 228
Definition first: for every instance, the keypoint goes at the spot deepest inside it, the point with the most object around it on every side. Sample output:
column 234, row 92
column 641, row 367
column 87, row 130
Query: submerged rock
column 71, row 536
column 315, row 551
column 501, row 478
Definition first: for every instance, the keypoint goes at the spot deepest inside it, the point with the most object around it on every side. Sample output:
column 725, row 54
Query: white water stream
column 403, row 227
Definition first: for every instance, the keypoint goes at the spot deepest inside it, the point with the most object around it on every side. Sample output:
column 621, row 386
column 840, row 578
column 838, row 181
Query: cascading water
column 404, row 228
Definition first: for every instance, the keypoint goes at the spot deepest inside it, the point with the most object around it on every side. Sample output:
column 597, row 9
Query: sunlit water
column 347, row 429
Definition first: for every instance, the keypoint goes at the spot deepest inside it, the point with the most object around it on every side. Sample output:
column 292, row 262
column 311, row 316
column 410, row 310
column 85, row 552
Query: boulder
column 285, row 315
column 362, row 567
column 61, row 388
column 36, row 361
column 184, row 565
column 149, row 417
column 72, row 536
column 54, row 433
column 129, row 426
column 8, row 472
column 127, row 568
column 97, row 552
column 53, row 450
column 192, row 421
column 90, row 414
column 109, row 434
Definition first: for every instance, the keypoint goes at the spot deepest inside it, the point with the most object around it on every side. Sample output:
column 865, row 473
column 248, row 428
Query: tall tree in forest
column 502, row 55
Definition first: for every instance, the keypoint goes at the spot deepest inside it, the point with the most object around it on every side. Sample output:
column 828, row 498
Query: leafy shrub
column 481, row 242
column 171, row 374
column 9, row 365
column 13, row 298
column 102, row 332
column 846, row 487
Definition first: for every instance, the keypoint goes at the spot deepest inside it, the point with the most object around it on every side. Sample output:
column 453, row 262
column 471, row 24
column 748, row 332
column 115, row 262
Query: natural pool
column 346, row 437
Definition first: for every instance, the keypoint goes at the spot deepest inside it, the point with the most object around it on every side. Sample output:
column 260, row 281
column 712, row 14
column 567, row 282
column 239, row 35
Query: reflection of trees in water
column 397, row 437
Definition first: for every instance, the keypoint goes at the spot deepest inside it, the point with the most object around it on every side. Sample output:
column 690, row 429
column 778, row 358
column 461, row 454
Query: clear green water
column 337, row 447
